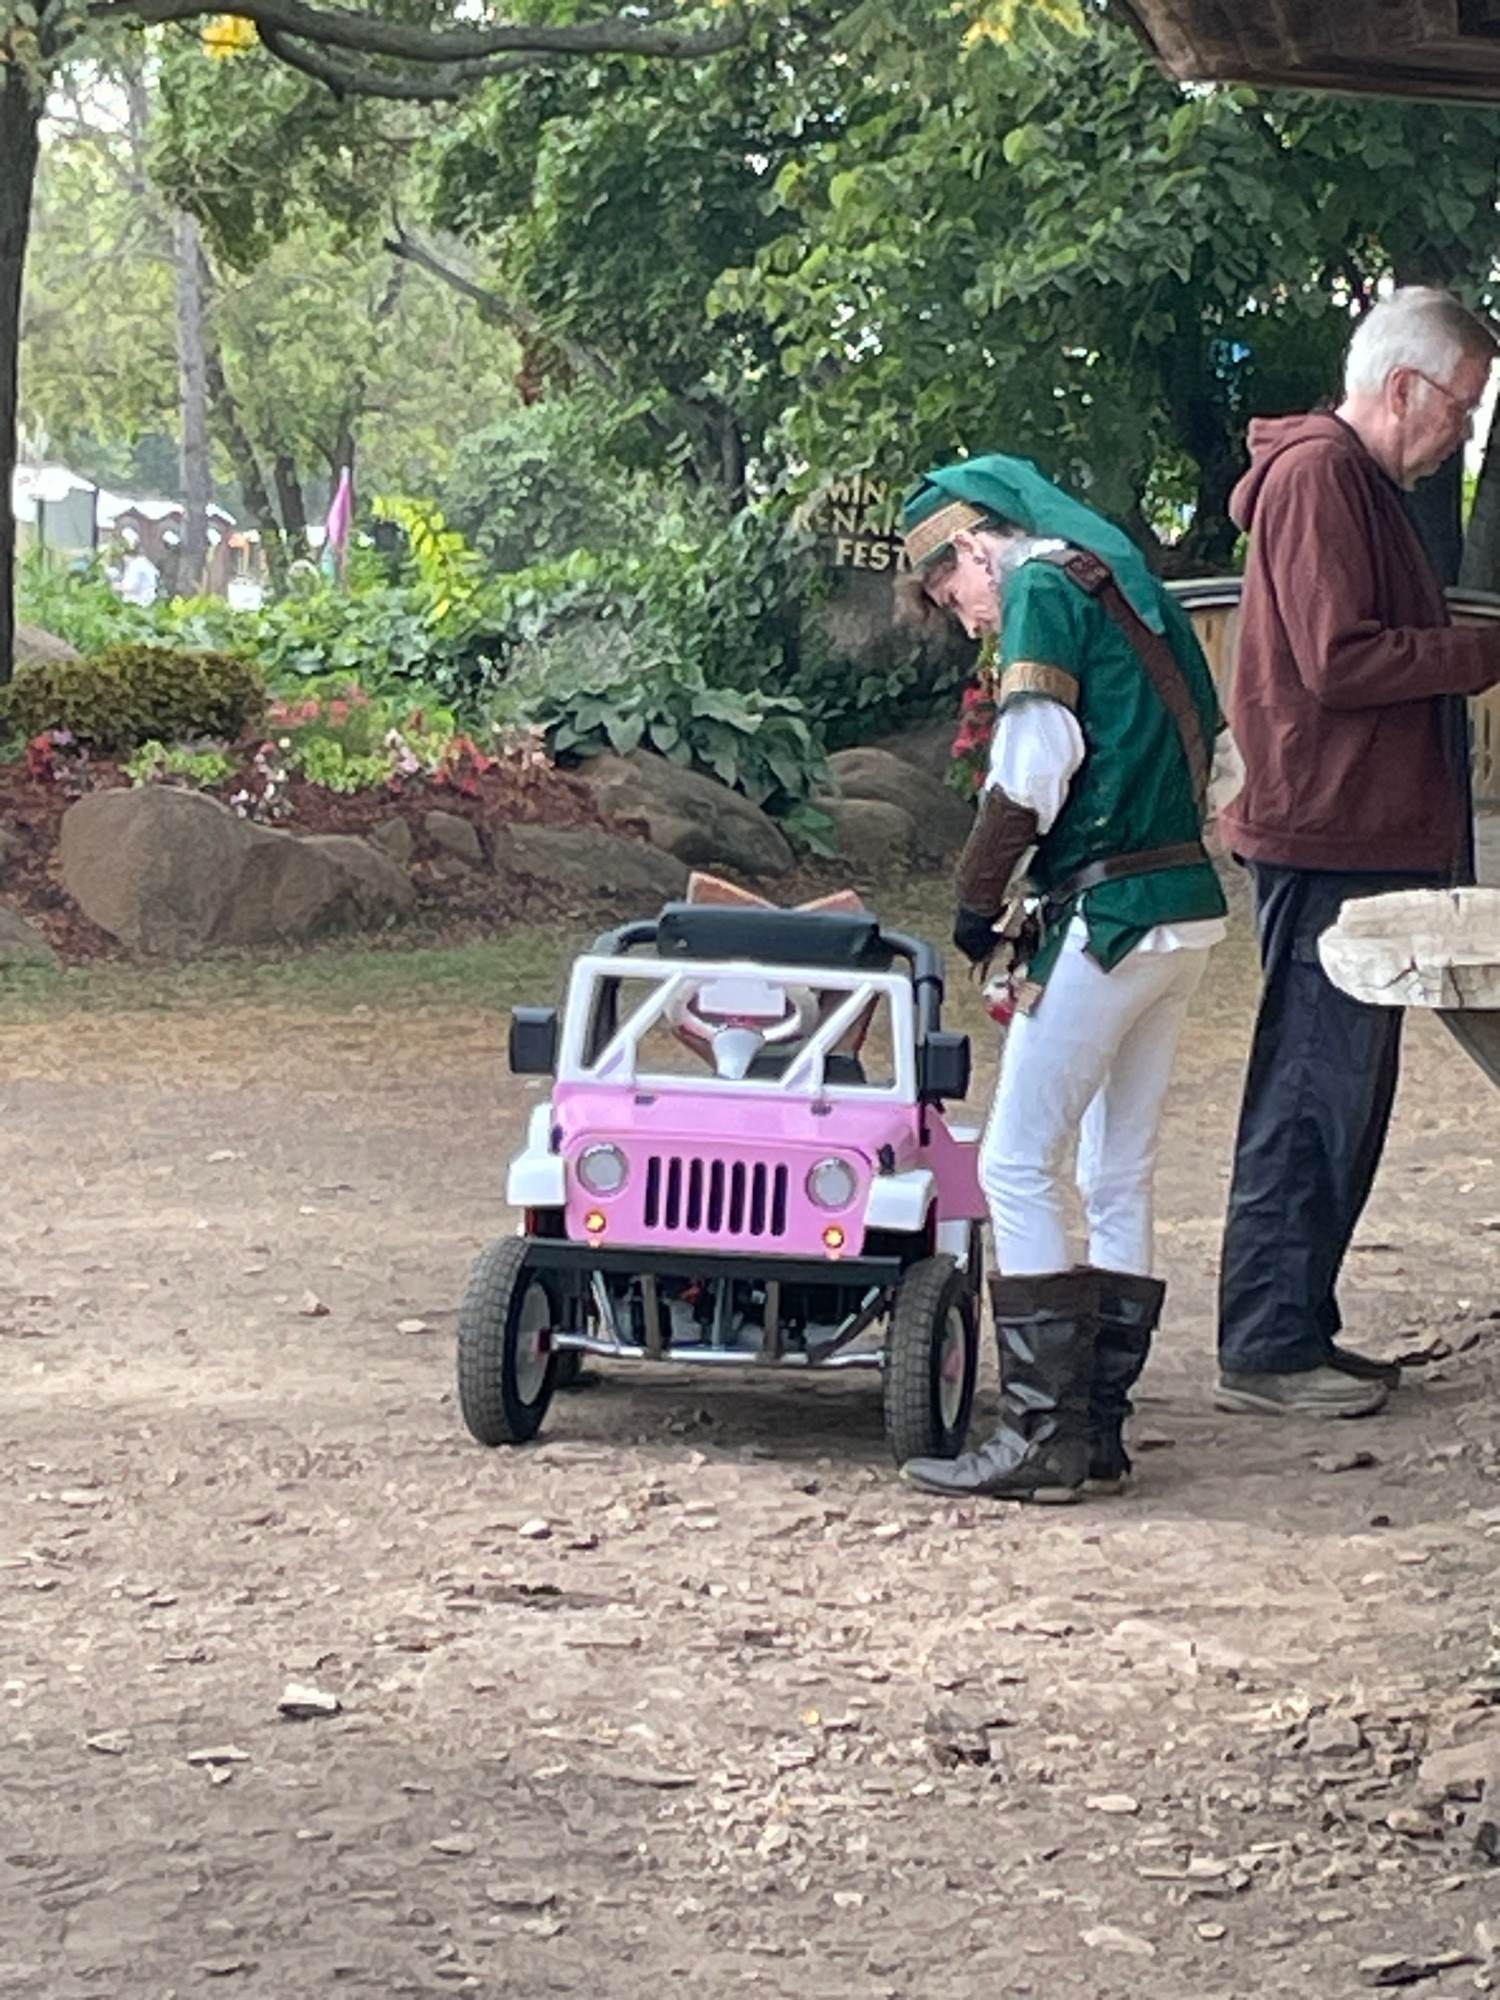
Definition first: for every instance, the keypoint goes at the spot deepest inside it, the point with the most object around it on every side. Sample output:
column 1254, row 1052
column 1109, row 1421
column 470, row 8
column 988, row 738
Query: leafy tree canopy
column 1038, row 240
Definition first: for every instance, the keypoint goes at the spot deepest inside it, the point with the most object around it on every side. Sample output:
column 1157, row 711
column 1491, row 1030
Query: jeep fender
column 536, row 1178
column 900, row 1202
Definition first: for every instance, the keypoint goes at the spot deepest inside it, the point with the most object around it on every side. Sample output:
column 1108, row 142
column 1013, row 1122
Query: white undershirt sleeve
column 1227, row 778
column 1036, row 748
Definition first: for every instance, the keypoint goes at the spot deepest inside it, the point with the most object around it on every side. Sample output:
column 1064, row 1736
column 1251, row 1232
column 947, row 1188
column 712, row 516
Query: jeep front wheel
column 931, row 1362
column 507, row 1369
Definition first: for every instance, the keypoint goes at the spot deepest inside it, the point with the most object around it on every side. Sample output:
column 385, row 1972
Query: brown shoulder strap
column 1155, row 653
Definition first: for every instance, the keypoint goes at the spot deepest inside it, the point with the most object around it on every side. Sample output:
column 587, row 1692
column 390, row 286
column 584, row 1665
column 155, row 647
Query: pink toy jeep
column 744, row 1161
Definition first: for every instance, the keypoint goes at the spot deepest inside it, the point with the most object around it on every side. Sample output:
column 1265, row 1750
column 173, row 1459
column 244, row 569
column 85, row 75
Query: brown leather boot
column 1040, row 1452
column 1129, row 1310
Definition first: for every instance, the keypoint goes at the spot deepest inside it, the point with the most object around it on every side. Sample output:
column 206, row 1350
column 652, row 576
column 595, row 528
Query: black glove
column 975, row 936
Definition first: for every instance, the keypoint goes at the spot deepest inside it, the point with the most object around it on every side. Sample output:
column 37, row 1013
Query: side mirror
column 533, row 1041
column 942, row 1066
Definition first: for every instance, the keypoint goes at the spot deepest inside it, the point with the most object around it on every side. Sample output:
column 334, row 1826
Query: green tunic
column 1133, row 790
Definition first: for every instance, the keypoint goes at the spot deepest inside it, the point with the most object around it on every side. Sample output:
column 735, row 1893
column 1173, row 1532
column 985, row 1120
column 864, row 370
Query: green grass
column 528, row 963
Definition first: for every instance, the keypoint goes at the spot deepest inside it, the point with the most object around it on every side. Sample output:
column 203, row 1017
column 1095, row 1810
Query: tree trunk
column 1436, row 509
column 20, row 129
column 293, row 506
column 192, row 372
column 1204, row 433
column 1480, row 569
column 344, row 448
column 253, row 488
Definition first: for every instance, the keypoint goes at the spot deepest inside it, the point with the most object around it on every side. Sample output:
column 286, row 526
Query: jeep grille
column 715, row 1197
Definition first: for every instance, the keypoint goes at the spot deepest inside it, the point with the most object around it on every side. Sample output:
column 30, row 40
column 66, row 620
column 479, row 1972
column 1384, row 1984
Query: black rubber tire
column 500, row 1404
column 934, row 1297
column 569, row 1368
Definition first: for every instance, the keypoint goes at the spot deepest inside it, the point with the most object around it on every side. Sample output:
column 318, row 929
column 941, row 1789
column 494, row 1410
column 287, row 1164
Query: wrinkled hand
column 976, row 938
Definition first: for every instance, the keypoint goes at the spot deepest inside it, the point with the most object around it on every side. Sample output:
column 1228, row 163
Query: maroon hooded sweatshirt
column 1347, row 665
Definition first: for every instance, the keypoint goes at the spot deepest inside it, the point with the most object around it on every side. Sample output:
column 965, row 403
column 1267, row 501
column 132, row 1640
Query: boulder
column 942, row 820
column 928, row 746
column 879, row 836
column 455, row 835
column 699, row 820
column 585, row 858
column 380, row 889
column 22, row 943
column 169, row 872
column 35, row 647
column 393, row 837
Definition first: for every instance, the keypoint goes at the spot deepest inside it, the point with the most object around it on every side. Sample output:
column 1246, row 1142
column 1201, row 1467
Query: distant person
column 1096, row 798
column 1348, row 706
column 140, row 579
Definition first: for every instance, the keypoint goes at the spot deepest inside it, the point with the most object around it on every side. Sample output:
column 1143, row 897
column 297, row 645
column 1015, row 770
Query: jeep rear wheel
column 507, row 1369
column 931, row 1362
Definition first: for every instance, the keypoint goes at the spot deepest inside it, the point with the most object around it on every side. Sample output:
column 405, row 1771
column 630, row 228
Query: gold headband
column 927, row 537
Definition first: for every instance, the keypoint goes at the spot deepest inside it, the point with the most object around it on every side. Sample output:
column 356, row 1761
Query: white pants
column 1091, row 1062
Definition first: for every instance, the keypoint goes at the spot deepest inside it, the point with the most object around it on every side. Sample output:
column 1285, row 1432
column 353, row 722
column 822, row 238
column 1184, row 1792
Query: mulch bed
column 455, row 901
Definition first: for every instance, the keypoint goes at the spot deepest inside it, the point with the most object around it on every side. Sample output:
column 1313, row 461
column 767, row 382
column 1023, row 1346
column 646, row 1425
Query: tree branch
column 368, row 34
column 444, row 85
column 521, row 319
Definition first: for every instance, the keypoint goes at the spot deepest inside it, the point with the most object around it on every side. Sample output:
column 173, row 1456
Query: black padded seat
column 848, row 940
column 837, row 1068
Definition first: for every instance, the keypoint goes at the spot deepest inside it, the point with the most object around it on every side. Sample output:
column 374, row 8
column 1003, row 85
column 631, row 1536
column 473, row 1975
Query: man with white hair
column 1348, row 707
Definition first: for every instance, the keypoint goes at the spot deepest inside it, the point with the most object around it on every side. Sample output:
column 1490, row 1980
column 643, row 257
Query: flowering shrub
column 263, row 794
column 976, row 725
column 338, row 736
column 56, row 757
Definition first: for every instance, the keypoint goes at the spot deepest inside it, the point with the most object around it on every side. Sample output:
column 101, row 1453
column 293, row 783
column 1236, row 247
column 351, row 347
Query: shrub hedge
column 128, row 695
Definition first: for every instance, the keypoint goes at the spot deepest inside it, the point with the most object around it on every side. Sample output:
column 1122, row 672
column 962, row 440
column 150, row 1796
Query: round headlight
column 832, row 1184
column 603, row 1169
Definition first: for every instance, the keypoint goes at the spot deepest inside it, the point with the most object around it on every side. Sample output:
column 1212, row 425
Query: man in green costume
column 1100, row 767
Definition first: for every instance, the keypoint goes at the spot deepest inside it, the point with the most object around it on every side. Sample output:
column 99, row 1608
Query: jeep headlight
column 832, row 1184
column 603, row 1169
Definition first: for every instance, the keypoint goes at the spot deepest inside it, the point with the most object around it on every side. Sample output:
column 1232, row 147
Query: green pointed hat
column 978, row 491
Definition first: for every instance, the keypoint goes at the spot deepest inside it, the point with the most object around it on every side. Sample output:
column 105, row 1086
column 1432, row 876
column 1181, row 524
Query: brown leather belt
column 1117, row 867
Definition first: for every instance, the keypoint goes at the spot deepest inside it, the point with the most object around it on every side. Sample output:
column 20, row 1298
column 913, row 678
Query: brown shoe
column 1310, row 1392
column 1364, row 1367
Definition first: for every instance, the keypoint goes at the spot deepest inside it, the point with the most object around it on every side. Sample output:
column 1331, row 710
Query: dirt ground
column 693, row 1697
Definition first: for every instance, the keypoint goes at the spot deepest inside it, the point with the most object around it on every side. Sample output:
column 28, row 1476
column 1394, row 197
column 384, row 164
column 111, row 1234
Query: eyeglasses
column 1468, row 411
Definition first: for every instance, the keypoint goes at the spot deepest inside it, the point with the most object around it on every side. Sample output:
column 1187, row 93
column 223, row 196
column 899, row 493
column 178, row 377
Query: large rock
column 393, row 837
column 941, row 818
column 878, row 836
column 35, row 647
column 455, row 835
column 22, row 943
column 583, row 858
column 170, row 872
column 929, row 745
column 699, row 820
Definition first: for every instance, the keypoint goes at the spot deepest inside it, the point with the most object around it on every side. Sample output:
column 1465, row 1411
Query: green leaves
column 1022, row 143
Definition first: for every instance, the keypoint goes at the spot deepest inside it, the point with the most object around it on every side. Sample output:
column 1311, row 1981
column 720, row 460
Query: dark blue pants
column 1317, row 1102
